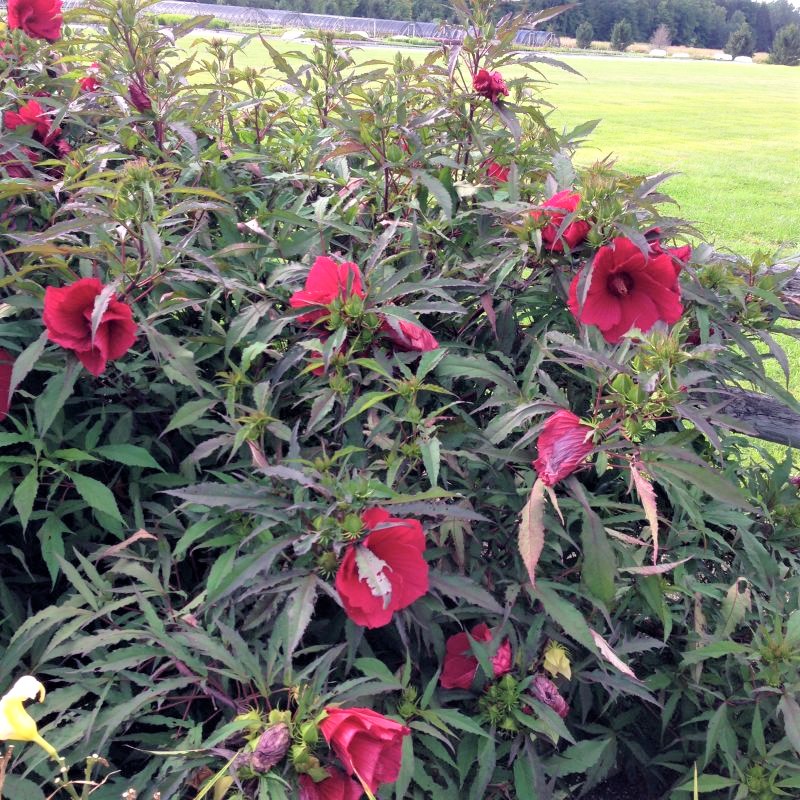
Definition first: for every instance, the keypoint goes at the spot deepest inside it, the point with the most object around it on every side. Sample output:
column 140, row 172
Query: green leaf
column 55, row 394
column 735, row 606
column 129, row 454
column 455, row 719
column 430, row 450
column 437, row 189
column 708, row 783
column 476, row 367
column 300, row 609
column 704, row 478
column 792, row 637
column 566, row 615
column 21, row 788
column 599, row 565
column 714, row 650
column 579, row 757
column 25, row 494
column 531, row 530
column 719, row 720
column 366, row 401
column 189, row 413
column 26, row 360
column 375, row 668
column 96, row 494
column 790, row 710
column 487, row 760
column 464, row 589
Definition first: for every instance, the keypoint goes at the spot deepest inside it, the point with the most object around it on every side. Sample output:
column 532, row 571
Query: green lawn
column 731, row 130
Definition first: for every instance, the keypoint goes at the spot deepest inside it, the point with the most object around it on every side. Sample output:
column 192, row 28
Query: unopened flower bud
column 271, row 748
column 139, row 98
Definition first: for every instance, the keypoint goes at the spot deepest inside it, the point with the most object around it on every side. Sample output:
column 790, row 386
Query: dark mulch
column 620, row 788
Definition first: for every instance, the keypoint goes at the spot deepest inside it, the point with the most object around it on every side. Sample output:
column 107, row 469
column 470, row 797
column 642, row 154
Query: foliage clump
column 621, row 35
column 584, row 34
column 786, row 46
column 741, row 42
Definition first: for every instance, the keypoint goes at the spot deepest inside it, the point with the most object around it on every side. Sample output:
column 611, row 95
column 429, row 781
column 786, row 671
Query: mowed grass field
column 732, row 131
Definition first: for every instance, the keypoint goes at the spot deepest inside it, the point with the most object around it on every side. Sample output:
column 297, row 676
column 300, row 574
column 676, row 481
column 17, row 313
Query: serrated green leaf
column 96, row 495
column 25, row 494
column 129, row 454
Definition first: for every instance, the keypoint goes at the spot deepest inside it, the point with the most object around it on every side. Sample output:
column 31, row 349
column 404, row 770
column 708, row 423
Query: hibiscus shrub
column 357, row 443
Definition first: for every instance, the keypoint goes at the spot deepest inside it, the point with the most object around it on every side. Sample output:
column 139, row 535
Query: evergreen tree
column 786, row 47
column 741, row 42
column 583, row 35
column 621, row 35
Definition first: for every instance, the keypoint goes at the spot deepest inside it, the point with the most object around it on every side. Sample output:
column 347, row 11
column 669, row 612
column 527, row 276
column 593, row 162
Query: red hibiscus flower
column 91, row 82
column 460, row 665
column 337, row 786
column 368, row 744
column 555, row 211
column 627, row 290
column 544, row 690
column 495, row 173
column 408, row 336
column 563, row 445
column 68, row 319
column 34, row 115
column 326, row 282
column 385, row 572
column 139, row 98
column 40, row 19
column 6, row 366
column 489, row 84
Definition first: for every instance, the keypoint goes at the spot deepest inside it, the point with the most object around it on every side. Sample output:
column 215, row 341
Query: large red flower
column 555, row 210
column 408, row 336
column 565, row 442
column 34, row 115
column 40, row 19
column 627, row 289
column 460, row 665
column 489, row 84
column 68, row 319
column 368, row 744
column 385, row 572
column 326, row 282
column 337, row 786
column 6, row 366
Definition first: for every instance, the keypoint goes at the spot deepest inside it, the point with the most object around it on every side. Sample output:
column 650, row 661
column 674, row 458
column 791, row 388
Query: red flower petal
column 40, row 19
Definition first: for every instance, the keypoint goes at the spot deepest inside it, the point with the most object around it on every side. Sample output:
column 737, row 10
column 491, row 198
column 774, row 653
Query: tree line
column 699, row 23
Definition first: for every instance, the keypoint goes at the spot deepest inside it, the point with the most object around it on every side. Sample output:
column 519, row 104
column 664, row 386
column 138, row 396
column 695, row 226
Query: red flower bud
column 563, row 444
column 139, row 98
column 489, row 84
